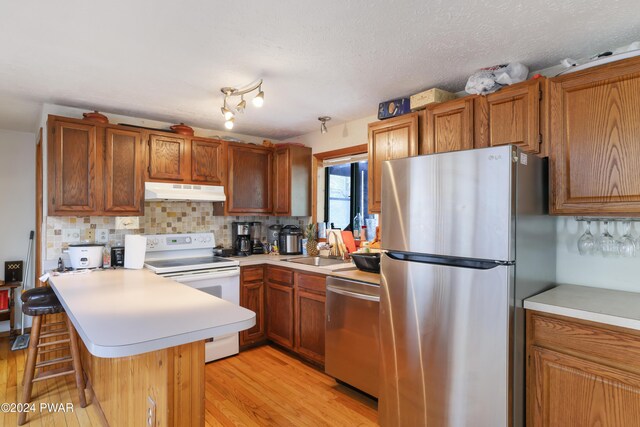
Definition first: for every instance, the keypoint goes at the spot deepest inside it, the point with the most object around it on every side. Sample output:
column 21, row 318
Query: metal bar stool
column 41, row 302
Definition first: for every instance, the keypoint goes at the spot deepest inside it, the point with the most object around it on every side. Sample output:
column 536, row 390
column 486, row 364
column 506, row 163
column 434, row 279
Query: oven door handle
column 353, row 294
column 195, row 278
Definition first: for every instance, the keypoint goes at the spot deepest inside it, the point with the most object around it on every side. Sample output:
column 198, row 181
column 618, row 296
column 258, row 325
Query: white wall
column 594, row 270
column 338, row 136
column 17, row 198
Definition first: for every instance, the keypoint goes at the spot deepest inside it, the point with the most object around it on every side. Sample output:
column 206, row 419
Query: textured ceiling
column 166, row 60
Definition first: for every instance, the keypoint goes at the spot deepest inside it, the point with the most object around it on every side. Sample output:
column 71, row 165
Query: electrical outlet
column 71, row 235
column 102, row 235
column 151, row 412
column 90, row 235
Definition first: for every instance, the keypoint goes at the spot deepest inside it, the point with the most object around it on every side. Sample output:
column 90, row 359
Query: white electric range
column 189, row 259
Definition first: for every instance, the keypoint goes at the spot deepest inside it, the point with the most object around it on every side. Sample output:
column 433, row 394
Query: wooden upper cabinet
column 249, row 179
column 449, row 126
column 511, row 116
column 389, row 139
column 292, row 181
column 595, row 140
column 74, row 165
column 207, row 161
column 282, row 181
column 124, row 172
column 167, row 158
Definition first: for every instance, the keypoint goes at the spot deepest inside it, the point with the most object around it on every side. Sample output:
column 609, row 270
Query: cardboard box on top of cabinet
column 422, row 99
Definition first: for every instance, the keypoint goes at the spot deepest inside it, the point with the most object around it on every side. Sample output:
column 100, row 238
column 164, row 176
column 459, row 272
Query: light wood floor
column 260, row 387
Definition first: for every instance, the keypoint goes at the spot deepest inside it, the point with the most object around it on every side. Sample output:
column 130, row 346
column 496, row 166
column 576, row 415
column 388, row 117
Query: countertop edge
column 151, row 345
column 591, row 316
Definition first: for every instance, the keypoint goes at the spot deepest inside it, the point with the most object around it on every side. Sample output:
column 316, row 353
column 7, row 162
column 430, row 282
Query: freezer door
column 454, row 204
column 444, row 345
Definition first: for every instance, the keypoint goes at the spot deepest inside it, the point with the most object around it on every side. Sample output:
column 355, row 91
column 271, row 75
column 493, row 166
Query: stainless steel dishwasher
column 352, row 333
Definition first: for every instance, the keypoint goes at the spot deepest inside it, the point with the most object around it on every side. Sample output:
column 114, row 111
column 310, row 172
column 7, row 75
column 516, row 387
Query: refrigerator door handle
column 446, row 261
column 353, row 294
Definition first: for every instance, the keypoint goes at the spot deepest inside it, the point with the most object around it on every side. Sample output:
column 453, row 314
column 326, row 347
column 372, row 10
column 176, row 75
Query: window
column 346, row 193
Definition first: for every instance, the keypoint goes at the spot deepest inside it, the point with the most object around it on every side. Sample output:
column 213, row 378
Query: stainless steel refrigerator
column 466, row 237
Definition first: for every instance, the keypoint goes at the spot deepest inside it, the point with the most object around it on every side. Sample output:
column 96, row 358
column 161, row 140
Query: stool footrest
column 53, row 349
column 53, row 374
column 48, row 344
column 54, row 361
column 55, row 333
column 47, row 325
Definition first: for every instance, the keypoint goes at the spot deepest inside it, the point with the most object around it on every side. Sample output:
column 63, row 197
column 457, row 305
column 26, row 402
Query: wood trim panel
column 342, row 152
column 39, row 208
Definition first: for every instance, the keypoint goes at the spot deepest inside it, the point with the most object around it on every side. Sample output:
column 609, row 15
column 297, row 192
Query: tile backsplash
column 159, row 218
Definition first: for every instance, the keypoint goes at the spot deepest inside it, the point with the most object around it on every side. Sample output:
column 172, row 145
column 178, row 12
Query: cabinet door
column 124, row 173
column 569, row 391
column 167, row 158
column 280, row 314
column 310, row 327
column 510, row 116
column 595, row 134
column 74, row 162
column 252, row 297
column 207, row 161
column 449, row 126
column 282, row 182
column 249, row 179
column 389, row 139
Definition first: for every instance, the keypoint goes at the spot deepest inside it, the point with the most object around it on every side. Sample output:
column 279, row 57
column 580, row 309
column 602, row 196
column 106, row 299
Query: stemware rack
column 602, row 219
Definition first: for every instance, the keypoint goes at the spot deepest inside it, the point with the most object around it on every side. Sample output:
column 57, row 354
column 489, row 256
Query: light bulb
column 259, row 99
column 227, row 113
column 229, row 123
column 241, row 105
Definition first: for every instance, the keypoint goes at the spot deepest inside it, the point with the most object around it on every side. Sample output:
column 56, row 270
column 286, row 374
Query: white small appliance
column 85, row 255
column 189, row 259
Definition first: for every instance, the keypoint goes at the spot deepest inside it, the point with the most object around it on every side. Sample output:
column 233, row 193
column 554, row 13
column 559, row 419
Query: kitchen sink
column 318, row 261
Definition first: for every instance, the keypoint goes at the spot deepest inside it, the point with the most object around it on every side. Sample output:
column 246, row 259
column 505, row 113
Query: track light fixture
column 323, row 123
column 229, row 113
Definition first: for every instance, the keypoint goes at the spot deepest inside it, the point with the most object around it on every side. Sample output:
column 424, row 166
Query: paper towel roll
column 135, row 247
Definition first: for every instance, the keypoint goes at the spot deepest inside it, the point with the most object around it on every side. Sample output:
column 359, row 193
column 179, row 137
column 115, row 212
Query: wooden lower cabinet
column 295, row 311
column 252, row 296
column 280, row 314
column 581, row 373
column 309, row 321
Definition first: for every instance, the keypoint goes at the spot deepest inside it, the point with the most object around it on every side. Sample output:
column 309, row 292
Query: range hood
column 183, row 192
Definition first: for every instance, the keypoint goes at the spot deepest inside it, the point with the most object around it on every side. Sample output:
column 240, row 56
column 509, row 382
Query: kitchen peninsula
column 143, row 342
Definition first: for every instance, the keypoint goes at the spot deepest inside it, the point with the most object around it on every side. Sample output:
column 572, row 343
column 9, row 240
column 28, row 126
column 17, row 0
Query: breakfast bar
column 143, row 342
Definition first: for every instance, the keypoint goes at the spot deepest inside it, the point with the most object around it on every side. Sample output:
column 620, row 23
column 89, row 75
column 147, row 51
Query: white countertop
column 120, row 312
column 611, row 307
column 281, row 261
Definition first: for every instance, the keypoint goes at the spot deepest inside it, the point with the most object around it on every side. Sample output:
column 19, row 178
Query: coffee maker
column 256, row 244
column 241, row 236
